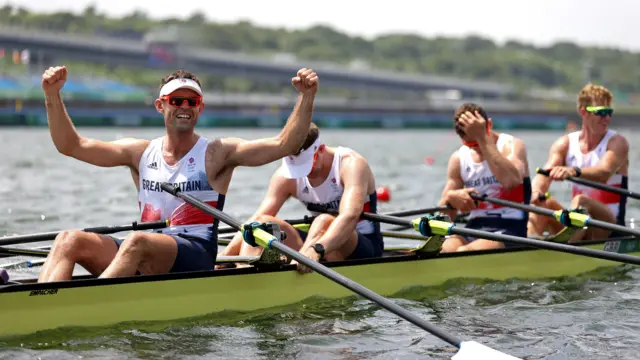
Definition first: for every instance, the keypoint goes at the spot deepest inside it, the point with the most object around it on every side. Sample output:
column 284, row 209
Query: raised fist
column 53, row 79
column 306, row 81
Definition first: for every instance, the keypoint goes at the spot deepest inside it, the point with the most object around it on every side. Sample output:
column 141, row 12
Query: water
column 569, row 318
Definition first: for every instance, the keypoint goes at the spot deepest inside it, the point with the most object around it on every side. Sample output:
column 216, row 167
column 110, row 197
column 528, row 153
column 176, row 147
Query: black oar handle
column 595, row 184
column 135, row 226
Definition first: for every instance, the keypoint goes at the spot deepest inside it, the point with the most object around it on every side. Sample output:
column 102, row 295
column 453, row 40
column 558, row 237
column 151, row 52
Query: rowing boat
column 27, row 307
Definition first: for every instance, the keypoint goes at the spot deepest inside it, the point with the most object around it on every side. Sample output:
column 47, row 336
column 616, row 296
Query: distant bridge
column 48, row 48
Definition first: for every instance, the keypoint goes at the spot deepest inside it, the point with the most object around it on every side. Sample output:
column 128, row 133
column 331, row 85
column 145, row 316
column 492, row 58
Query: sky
column 542, row 22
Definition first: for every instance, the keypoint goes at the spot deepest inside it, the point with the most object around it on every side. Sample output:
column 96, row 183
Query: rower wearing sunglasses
column 594, row 152
column 200, row 167
column 487, row 163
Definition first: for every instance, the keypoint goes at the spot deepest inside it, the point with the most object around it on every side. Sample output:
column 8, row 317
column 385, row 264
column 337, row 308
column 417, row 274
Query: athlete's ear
column 159, row 105
column 201, row 107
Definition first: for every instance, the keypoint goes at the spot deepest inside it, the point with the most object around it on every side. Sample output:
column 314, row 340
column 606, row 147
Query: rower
column 200, row 167
column 595, row 152
column 488, row 163
column 338, row 178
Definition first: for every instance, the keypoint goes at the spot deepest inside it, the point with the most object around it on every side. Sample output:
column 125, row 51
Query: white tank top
column 480, row 177
column 330, row 192
column 575, row 157
column 190, row 175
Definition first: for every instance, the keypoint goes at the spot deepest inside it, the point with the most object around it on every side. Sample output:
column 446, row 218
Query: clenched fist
column 53, row 79
column 306, row 81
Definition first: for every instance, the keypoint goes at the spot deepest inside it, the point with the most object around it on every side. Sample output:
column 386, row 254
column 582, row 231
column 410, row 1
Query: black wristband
column 578, row 171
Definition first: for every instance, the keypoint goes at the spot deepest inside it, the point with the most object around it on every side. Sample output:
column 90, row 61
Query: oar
column 565, row 217
column 5, row 252
column 468, row 349
column 110, row 229
column 429, row 227
column 595, row 184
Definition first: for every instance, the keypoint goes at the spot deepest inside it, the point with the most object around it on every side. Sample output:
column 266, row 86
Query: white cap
column 176, row 84
column 299, row 166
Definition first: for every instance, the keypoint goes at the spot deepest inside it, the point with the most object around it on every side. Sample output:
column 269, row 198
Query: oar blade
column 471, row 350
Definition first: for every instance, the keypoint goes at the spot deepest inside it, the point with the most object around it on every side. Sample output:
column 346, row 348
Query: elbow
column 68, row 148
column 65, row 150
column 351, row 219
column 513, row 181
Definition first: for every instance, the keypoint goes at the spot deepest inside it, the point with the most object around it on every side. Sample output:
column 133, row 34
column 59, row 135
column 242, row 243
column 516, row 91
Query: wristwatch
column 319, row 248
column 578, row 171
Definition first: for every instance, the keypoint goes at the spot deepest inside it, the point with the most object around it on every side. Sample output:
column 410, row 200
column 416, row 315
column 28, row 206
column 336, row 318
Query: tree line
column 563, row 65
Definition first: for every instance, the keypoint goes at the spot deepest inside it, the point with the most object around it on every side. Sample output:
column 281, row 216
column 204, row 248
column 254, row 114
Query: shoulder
column 352, row 160
column 216, row 145
column 561, row 143
column 618, row 143
column 133, row 142
column 454, row 158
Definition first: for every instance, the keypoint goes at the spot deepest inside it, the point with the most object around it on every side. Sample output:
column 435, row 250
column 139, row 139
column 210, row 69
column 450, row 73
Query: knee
column 324, row 219
column 580, row 201
column 70, row 244
column 265, row 218
column 135, row 243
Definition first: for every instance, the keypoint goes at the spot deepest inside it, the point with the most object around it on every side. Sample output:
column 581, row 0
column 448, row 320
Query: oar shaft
column 595, row 184
column 319, row 268
column 418, row 211
column 25, row 252
column 364, row 292
column 454, row 230
column 551, row 213
column 135, row 226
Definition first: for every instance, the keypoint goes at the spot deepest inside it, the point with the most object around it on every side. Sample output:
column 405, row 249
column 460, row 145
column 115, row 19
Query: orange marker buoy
column 383, row 194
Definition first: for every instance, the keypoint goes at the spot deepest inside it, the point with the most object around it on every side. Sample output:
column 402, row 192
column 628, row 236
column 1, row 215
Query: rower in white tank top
column 480, row 177
column 330, row 192
column 575, row 157
column 190, row 175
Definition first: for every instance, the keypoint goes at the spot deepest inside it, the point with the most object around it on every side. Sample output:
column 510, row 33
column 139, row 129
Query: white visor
column 299, row 166
column 176, row 84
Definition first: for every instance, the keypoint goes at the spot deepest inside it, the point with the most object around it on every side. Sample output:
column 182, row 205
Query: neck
column 179, row 143
column 590, row 137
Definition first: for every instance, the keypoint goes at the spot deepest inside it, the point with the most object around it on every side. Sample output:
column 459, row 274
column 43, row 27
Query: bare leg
column 596, row 210
column 149, row 253
column 293, row 239
column 452, row 243
column 319, row 226
column 538, row 224
column 481, row 244
column 92, row 251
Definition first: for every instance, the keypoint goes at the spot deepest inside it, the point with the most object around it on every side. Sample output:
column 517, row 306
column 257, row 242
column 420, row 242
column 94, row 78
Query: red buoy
column 429, row 160
column 383, row 194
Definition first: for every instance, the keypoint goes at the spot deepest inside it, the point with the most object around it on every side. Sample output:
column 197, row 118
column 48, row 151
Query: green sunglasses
column 600, row 110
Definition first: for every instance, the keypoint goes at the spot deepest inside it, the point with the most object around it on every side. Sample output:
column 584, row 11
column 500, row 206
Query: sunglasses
column 180, row 100
column 601, row 111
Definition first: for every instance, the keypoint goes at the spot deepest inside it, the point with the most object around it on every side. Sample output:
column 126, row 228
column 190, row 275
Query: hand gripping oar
column 468, row 349
column 21, row 239
column 428, row 227
column 565, row 217
column 595, row 184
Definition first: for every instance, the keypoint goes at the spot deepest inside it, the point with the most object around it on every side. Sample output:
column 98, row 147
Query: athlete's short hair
column 179, row 74
column 472, row 108
column 594, row 95
column 312, row 135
